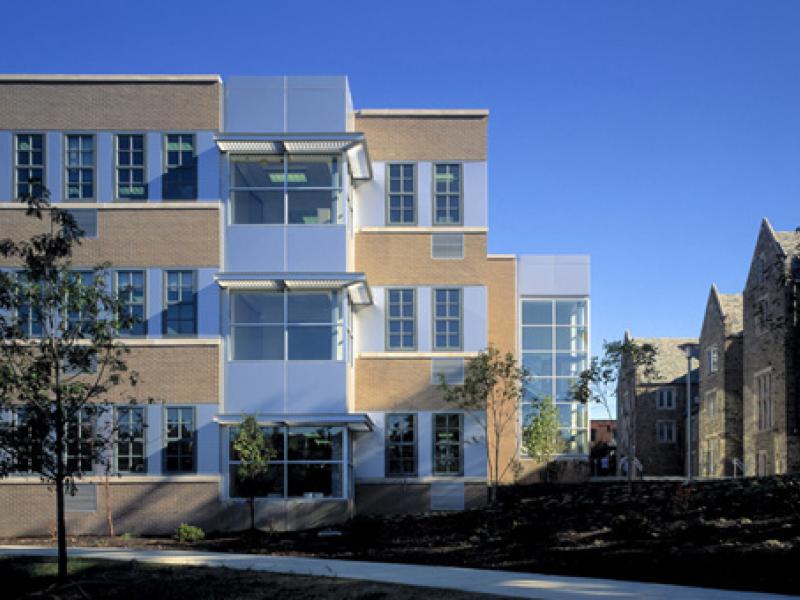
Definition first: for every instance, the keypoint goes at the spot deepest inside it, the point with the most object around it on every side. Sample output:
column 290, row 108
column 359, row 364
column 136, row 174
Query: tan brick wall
column 408, row 497
column 172, row 374
column 135, row 237
column 405, row 259
column 119, row 106
column 139, row 508
column 424, row 138
column 395, row 384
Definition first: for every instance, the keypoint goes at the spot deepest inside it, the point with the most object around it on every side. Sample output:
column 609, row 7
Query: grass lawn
column 36, row 578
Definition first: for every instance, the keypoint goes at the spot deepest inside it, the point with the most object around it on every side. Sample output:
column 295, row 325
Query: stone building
column 770, row 420
column 651, row 411
column 720, row 407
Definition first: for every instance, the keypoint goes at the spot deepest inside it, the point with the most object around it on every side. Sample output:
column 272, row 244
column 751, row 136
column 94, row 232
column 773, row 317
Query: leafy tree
column 250, row 446
column 541, row 438
column 626, row 359
column 59, row 358
column 491, row 395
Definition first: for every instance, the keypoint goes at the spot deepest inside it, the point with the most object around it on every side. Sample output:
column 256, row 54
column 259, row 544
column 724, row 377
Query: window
column 452, row 369
column 713, row 359
column 79, row 167
column 80, row 442
column 448, row 444
column 130, row 168
column 401, row 194
column 288, row 189
column 29, row 320
column 308, row 462
column 763, row 385
column 401, row 319
column 401, row 445
column 761, row 315
column 555, row 336
column 665, row 398
column 447, row 246
column 447, row 318
column 130, row 445
column 275, row 325
column 180, row 301
column 77, row 321
column 761, row 464
column 761, row 269
column 86, row 220
column 665, row 431
column 179, row 436
column 179, row 181
column 447, row 194
column 711, row 404
column 27, row 457
column 29, row 164
column 130, row 288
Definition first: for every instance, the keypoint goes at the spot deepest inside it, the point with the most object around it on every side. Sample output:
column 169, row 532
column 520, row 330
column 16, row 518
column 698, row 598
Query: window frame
column 765, row 415
column 165, row 166
column 439, row 236
column 117, row 293
column 672, row 429
column 388, row 444
column 16, row 166
column 460, row 445
column 447, row 348
column 117, row 167
column 713, row 359
column 80, row 417
column 460, row 222
column 167, row 440
column 388, row 319
column 166, row 304
column 66, row 167
column 130, row 408
column 761, row 313
column 414, row 194
column 672, row 395
column 338, row 355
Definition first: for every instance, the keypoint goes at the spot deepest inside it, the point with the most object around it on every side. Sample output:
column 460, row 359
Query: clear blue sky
column 652, row 135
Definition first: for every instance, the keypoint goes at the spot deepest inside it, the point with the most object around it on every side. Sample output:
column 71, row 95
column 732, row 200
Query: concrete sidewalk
column 502, row 583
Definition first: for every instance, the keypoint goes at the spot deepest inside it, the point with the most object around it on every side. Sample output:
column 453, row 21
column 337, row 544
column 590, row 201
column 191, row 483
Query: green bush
column 128, row 535
column 189, row 533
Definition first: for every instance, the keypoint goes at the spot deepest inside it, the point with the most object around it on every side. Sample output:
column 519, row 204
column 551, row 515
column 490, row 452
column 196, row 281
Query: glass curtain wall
column 555, row 337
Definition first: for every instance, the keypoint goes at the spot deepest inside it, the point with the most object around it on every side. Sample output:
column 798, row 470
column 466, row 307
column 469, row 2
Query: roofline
column 133, row 78
column 422, row 112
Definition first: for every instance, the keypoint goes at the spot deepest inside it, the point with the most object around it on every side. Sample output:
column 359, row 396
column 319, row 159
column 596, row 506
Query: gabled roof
column 787, row 241
column 670, row 359
column 731, row 309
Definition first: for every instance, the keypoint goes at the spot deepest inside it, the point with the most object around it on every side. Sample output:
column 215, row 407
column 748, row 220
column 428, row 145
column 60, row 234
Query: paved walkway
column 502, row 583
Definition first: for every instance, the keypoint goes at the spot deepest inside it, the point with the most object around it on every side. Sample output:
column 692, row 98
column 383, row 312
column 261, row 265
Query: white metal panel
column 475, row 325
column 555, row 275
column 475, row 194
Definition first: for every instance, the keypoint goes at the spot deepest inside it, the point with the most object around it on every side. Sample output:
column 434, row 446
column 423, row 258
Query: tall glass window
column 400, row 194
column 130, row 168
column 288, row 189
column 401, row 445
column 447, row 194
column 29, row 164
column 555, row 349
column 130, row 291
column 129, row 451
column 447, row 319
column 448, row 444
column 400, row 319
column 80, row 442
column 79, row 167
column 179, row 435
column 179, row 181
column 77, row 321
column 180, row 303
column 293, row 325
column 308, row 462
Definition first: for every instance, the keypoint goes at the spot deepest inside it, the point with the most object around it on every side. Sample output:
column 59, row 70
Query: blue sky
column 652, row 135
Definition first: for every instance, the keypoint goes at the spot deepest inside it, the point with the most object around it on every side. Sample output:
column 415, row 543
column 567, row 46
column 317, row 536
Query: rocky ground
column 742, row 534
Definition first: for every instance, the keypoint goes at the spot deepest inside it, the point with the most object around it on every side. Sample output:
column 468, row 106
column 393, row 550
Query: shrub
column 128, row 535
column 189, row 533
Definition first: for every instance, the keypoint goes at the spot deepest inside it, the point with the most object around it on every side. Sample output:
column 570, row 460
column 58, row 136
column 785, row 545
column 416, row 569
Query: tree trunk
column 107, row 490
column 60, row 521
column 252, row 513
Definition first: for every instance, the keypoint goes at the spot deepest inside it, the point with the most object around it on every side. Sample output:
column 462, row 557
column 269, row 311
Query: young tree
column 59, row 358
column 622, row 360
column 491, row 394
column 541, row 438
column 250, row 447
